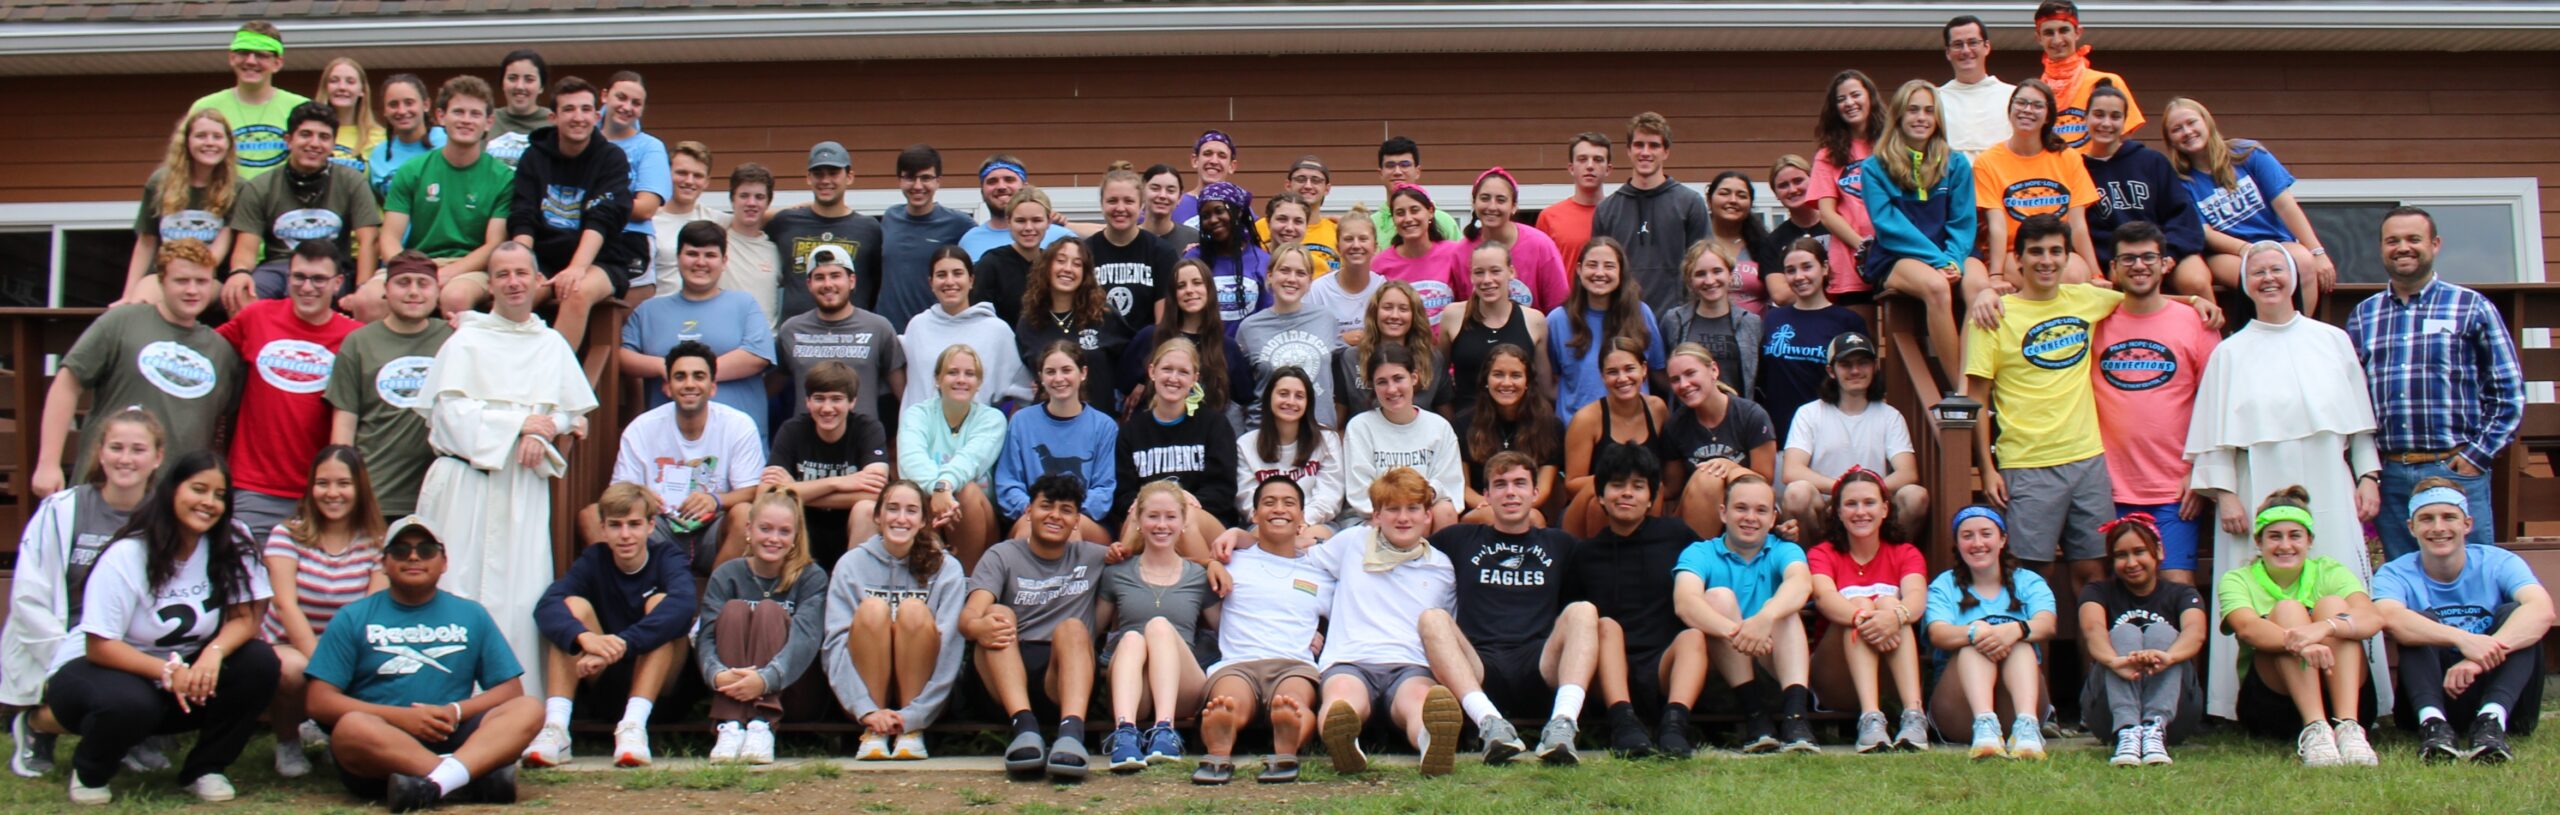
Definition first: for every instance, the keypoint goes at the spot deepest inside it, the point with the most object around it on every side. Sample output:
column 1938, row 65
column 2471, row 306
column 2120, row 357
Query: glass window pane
column 94, row 263
column 26, row 268
column 2479, row 240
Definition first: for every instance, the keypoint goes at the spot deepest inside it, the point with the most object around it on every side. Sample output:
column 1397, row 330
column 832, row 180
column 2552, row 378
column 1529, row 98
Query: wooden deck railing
column 32, row 335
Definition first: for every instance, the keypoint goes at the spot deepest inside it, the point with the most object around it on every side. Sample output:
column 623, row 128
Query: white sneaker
column 910, row 747
column 88, row 796
column 290, row 760
column 2155, row 744
column 725, row 745
column 2317, row 745
column 2129, row 747
column 873, row 747
column 212, row 788
column 759, row 747
column 313, row 736
column 550, row 748
column 2352, row 746
column 630, row 745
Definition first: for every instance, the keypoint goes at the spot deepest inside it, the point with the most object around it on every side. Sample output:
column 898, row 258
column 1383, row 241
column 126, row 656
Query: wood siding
column 2329, row 115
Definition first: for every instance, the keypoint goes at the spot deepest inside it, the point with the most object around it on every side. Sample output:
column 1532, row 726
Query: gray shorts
column 1381, row 680
column 260, row 512
column 2059, row 506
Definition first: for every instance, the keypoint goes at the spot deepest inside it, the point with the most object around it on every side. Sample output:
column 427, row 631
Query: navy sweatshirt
column 558, row 198
column 2137, row 184
column 618, row 598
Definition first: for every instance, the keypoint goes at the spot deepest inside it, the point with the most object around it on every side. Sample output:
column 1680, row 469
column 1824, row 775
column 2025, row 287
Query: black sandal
column 1278, row 769
column 1213, row 772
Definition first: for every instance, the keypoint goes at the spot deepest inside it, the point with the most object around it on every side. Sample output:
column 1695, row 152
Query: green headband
column 254, row 41
column 2282, row 512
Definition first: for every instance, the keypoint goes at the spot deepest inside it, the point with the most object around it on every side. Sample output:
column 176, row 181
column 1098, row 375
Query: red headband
column 2141, row 519
column 2065, row 15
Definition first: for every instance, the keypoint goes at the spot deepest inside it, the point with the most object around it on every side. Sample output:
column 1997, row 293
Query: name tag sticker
column 1308, row 586
column 2436, row 325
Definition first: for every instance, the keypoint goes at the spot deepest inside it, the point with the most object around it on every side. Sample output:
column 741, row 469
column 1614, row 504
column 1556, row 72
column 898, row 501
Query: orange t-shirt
column 2019, row 187
column 2071, row 122
column 1569, row 223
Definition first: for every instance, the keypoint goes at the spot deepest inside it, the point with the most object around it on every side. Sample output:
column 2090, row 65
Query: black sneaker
column 1798, row 735
column 1760, row 734
column 1627, row 740
column 2435, row 742
column 1674, row 740
column 409, row 793
column 2489, row 741
column 494, row 787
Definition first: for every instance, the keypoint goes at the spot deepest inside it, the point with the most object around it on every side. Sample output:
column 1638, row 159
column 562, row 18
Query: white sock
column 1479, row 706
column 555, row 711
column 449, row 775
column 2495, row 711
column 2431, row 713
column 1568, row 704
column 637, row 710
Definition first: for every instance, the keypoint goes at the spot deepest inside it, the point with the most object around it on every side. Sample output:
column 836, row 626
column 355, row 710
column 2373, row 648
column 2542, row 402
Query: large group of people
column 1208, row 465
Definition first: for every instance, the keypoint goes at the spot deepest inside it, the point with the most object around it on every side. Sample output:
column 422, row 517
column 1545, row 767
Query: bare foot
column 1218, row 720
column 1290, row 721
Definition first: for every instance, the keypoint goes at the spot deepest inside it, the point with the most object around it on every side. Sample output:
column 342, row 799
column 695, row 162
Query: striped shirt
column 322, row 582
column 2442, row 371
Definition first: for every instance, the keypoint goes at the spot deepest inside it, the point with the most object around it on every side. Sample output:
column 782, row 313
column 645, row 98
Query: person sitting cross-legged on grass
column 1267, row 641
column 893, row 627
column 1514, row 639
column 1384, row 577
column 618, row 618
column 393, row 678
column 759, row 628
column 1745, row 589
column 2143, row 633
column 1030, row 611
column 2468, row 620
column 1980, row 613
column 2302, row 622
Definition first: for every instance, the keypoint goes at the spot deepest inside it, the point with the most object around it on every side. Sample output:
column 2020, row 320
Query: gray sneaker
column 31, row 753
column 1913, row 735
column 1501, row 740
column 1871, row 736
column 1555, row 741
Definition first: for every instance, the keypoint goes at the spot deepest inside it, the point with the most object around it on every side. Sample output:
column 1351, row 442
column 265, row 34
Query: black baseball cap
column 1849, row 342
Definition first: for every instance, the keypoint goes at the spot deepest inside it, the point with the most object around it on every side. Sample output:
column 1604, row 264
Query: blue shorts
column 2177, row 535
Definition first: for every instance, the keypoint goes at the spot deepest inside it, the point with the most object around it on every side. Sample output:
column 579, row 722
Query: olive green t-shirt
column 186, row 376
column 377, row 377
column 267, row 211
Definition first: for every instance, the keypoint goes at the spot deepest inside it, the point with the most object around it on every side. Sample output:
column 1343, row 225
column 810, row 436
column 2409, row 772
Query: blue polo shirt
column 1751, row 581
column 2490, row 578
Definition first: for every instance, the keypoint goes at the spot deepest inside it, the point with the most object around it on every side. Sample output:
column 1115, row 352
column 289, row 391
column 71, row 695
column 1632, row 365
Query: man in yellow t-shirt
column 2033, row 370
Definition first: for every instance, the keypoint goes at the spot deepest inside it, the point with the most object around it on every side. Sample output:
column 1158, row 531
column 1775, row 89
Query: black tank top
column 1609, row 436
column 1473, row 347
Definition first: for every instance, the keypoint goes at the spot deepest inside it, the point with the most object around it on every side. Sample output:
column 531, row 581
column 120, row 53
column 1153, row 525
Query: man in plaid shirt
column 2444, row 379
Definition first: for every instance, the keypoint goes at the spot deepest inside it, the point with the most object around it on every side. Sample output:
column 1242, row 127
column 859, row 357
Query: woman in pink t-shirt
column 1433, row 263
column 1537, row 281
column 1870, row 592
column 1847, row 132
column 1732, row 227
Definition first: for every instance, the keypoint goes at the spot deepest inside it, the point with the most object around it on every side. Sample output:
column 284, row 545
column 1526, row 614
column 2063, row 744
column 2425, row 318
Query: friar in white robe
column 2283, row 402
column 501, row 397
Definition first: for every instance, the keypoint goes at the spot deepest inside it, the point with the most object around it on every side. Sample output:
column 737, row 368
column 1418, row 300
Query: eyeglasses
column 2024, row 103
column 312, row 280
column 1966, row 45
column 2143, row 259
column 422, row 550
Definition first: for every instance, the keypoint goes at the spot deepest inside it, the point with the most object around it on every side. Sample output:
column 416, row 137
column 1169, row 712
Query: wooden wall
column 2332, row 115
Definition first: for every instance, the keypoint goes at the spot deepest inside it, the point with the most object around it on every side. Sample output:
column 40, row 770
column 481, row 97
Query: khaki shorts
column 1264, row 677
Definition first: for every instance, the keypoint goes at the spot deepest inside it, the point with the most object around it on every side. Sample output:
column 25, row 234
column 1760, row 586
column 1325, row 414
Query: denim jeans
column 2399, row 481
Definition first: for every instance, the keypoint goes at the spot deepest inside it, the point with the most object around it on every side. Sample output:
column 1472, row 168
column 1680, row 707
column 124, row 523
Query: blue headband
column 1208, row 136
column 1980, row 511
column 2439, row 495
column 993, row 166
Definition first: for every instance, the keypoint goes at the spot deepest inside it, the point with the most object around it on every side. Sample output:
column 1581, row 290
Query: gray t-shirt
column 92, row 528
column 1716, row 335
column 863, row 341
column 1136, row 602
column 186, row 376
column 1304, row 338
column 377, row 377
column 1042, row 593
column 798, row 231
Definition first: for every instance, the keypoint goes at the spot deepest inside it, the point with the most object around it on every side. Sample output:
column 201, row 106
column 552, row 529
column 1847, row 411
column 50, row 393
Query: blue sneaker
column 1163, row 744
column 2026, row 740
column 1127, row 753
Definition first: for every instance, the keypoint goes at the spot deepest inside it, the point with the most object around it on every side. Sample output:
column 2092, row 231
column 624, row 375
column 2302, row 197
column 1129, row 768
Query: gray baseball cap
column 829, row 154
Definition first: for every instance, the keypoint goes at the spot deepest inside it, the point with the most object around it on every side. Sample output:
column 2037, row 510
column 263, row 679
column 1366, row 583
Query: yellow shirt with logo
column 2038, row 364
column 1320, row 241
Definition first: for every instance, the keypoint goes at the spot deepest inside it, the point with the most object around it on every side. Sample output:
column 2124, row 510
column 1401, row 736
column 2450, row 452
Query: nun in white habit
column 2283, row 402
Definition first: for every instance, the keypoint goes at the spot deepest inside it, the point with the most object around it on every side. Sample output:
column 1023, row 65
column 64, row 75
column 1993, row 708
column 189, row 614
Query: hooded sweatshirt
column 805, row 602
column 1198, row 452
column 557, row 197
column 933, row 454
column 2137, row 184
column 1656, row 226
column 977, row 327
column 868, row 572
column 1039, row 443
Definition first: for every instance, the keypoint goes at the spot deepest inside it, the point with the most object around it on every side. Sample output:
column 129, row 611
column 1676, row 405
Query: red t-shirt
column 1880, row 576
column 1569, row 223
column 283, row 419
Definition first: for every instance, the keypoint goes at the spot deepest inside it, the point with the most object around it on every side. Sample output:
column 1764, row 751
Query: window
column 2490, row 226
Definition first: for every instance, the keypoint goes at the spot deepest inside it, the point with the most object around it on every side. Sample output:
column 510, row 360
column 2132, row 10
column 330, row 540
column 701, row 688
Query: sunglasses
column 422, row 550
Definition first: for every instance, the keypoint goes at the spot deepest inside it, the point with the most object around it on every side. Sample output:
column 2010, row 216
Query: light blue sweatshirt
column 1040, row 443
column 930, row 453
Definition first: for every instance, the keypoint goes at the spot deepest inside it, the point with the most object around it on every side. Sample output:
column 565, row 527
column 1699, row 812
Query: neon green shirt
column 257, row 131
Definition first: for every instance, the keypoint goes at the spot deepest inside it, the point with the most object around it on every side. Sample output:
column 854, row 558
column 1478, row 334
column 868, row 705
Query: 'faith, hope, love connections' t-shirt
column 185, row 375
column 2147, row 369
column 2038, row 364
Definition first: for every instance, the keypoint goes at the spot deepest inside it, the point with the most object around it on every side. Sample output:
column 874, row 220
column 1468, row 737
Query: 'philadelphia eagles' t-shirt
column 1510, row 587
column 377, row 377
column 384, row 652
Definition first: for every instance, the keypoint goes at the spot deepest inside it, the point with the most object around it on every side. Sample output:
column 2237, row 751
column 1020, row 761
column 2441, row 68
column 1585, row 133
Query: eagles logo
column 2057, row 343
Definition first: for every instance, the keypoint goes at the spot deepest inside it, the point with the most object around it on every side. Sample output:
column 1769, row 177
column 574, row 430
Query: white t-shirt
column 1273, row 610
column 1374, row 614
column 1372, row 445
column 656, row 455
column 662, row 263
column 755, row 267
column 177, row 618
column 1977, row 115
column 1834, row 440
column 1348, row 308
